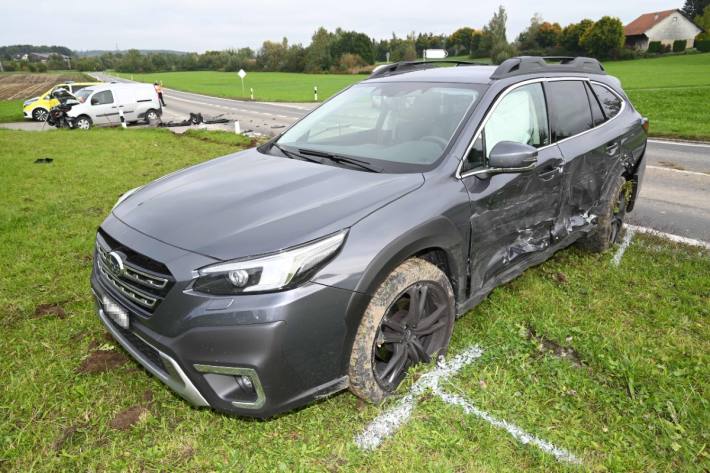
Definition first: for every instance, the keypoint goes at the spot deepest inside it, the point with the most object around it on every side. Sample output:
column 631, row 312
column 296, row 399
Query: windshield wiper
column 338, row 158
column 292, row 155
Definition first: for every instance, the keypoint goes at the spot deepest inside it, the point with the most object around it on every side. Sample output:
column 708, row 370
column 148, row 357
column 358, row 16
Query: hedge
column 679, row 46
column 703, row 45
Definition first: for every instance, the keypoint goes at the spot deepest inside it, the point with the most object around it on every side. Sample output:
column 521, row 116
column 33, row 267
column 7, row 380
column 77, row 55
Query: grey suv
column 339, row 254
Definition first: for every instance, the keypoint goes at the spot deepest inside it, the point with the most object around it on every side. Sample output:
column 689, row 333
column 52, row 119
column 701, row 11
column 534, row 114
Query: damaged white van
column 102, row 105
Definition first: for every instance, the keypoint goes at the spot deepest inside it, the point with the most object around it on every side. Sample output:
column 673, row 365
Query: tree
column 495, row 30
column 604, row 39
column 694, row 8
column 570, row 40
column 703, row 21
column 460, row 41
column 318, row 56
column 354, row 43
column 528, row 39
column 549, row 35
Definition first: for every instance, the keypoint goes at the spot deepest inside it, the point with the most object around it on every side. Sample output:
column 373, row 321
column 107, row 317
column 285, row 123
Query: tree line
column 343, row 51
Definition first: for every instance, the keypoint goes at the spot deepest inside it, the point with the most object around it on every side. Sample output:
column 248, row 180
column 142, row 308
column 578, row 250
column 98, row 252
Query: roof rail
column 408, row 66
column 535, row 64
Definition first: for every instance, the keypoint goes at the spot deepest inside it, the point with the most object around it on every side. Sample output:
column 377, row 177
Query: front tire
column 610, row 221
column 83, row 123
column 40, row 115
column 409, row 320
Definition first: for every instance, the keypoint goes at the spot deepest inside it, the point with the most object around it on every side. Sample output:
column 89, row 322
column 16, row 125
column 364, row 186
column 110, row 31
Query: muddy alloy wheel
column 40, row 115
column 609, row 221
column 408, row 321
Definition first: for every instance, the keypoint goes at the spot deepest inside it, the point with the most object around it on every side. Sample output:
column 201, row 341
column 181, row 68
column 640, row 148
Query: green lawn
column 673, row 91
column 637, row 400
column 268, row 86
column 11, row 111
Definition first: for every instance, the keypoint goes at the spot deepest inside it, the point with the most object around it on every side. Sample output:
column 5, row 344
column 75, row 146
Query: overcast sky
column 219, row 24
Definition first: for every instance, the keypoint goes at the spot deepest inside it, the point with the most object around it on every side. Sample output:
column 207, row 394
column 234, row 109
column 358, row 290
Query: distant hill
column 11, row 51
column 99, row 52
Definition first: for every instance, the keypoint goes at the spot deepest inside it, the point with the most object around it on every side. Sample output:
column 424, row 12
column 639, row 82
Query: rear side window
column 597, row 114
column 608, row 100
column 102, row 98
column 570, row 113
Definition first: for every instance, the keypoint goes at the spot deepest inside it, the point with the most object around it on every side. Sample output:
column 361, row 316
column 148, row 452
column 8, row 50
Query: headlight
column 125, row 196
column 272, row 272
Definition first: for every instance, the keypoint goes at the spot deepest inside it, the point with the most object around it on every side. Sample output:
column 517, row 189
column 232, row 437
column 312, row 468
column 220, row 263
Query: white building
column 664, row 26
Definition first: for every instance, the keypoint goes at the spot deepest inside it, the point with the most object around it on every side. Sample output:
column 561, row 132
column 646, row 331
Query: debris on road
column 196, row 119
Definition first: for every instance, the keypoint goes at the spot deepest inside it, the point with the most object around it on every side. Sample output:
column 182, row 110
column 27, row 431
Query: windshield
column 83, row 94
column 402, row 123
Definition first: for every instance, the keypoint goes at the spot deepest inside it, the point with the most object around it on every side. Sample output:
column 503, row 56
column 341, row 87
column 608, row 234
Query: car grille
column 139, row 280
column 146, row 350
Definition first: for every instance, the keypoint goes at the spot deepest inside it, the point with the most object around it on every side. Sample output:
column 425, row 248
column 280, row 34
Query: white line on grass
column 392, row 419
column 630, row 232
column 515, row 431
column 670, row 236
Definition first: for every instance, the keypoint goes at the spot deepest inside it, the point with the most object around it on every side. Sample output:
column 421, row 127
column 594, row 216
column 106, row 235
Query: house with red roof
column 664, row 26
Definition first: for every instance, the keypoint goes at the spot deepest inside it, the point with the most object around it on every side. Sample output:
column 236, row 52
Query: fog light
column 239, row 278
column 245, row 383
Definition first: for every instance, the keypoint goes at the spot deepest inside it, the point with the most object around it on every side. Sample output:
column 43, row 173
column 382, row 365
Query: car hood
column 249, row 203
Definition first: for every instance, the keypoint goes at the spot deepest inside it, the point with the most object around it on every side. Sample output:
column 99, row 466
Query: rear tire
column 83, row 123
column 151, row 115
column 394, row 334
column 610, row 222
column 40, row 115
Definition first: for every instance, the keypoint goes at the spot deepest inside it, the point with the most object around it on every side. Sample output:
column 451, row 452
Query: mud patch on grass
column 550, row 346
column 47, row 310
column 99, row 361
column 127, row 418
column 65, row 437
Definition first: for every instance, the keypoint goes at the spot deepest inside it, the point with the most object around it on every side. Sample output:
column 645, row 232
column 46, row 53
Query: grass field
column 11, row 111
column 633, row 397
column 673, row 91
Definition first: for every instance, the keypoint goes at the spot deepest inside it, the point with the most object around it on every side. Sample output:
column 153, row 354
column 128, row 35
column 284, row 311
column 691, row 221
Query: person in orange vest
column 159, row 90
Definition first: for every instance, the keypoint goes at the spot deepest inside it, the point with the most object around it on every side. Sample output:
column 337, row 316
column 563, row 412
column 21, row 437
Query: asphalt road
column 675, row 196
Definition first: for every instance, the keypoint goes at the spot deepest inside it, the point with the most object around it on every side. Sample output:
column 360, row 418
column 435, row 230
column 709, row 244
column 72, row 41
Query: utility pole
column 1, row 69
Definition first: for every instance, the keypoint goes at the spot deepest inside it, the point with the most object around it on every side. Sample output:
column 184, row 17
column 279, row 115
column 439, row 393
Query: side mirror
column 508, row 156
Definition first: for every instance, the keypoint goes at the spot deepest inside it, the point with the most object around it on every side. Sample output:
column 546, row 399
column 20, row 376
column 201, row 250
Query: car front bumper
column 292, row 346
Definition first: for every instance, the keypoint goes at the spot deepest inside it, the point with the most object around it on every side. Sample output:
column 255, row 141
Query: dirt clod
column 555, row 348
column 127, row 418
column 44, row 310
column 64, row 437
column 148, row 396
column 561, row 277
column 99, row 361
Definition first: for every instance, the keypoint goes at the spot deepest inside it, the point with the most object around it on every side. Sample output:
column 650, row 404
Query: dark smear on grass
column 43, row 160
column 551, row 346
column 65, row 436
column 44, row 310
column 102, row 360
column 127, row 418
column 561, row 277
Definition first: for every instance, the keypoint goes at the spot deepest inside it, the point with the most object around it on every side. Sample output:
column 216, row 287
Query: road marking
column 387, row 423
column 680, row 143
column 682, row 171
column 626, row 242
column 670, row 236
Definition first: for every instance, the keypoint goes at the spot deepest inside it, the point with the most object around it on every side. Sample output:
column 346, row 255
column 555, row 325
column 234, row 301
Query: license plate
column 115, row 312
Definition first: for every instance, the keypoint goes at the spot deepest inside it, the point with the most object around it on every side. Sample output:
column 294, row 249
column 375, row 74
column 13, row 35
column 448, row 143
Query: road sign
column 242, row 75
column 435, row 53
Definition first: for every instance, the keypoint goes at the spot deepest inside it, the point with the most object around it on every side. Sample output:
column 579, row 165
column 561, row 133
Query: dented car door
column 512, row 213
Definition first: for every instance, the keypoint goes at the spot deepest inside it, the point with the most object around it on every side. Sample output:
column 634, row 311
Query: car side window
column 597, row 114
column 608, row 100
column 521, row 117
column 102, row 98
column 570, row 113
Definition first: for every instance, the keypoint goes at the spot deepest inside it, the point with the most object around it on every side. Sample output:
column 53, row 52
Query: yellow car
column 37, row 108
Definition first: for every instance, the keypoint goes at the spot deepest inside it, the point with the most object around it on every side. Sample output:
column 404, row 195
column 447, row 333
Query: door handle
column 612, row 147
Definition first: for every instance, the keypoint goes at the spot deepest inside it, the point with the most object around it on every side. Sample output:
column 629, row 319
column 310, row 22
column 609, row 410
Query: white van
column 100, row 104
